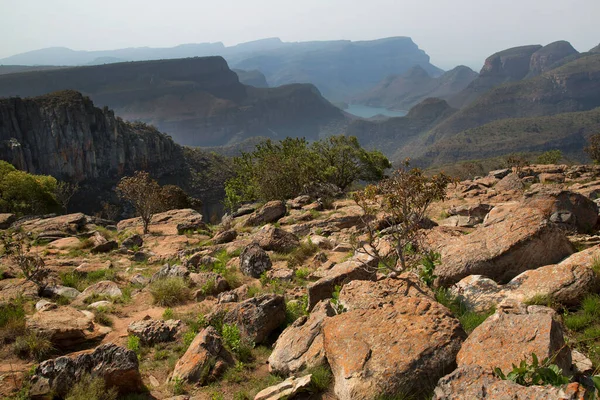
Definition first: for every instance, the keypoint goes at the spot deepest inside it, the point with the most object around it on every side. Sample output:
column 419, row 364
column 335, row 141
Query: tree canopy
column 23, row 193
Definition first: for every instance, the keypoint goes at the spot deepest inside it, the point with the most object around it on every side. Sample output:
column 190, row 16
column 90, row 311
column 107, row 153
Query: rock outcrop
column 152, row 331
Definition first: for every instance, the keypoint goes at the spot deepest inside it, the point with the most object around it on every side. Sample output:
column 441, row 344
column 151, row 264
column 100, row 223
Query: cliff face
column 64, row 135
column 543, row 59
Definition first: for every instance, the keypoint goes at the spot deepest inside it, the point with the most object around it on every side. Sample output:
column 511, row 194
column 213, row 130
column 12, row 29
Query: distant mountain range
column 339, row 69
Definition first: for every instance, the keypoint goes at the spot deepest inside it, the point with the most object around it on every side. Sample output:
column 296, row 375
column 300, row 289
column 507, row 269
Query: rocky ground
column 276, row 302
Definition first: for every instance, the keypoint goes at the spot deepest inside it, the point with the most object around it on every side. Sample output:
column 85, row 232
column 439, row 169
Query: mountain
column 252, row 78
column 339, row 69
column 199, row 101
column 595, row 49
column 513, row 65
column 11, row 69
column 64, row 135
column 567, row 132
column 401, row 92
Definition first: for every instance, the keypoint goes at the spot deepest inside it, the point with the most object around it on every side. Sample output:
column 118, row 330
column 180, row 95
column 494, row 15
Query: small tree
column 144, row 193
column 404, row 198
column 549, row 157
column 64, row 192
column 16, row 248
column 593, row 148
column 516, row 162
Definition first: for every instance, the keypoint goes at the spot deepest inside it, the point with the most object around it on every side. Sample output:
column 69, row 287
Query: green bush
column 549, row 157
column 12, row 320
column 89, row 388
column 22, row 193
column 536, row 373
column 468, row 319
column 168, row 314
column 33, row 345
column 168, row 292
column 320, row 379
column 296, row 309
column 133, row 344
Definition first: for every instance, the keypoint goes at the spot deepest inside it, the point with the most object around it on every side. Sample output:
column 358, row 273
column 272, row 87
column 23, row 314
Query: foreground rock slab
column 510, row 336
column 285, row 390
column 116, row 365
column 477, row 383
column 392, row 349
column 300, row 346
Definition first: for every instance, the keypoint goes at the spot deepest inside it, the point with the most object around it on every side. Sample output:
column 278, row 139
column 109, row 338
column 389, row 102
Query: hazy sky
column 451, row 31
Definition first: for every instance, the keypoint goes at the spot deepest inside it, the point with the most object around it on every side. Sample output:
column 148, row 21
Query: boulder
column 254, row 261
column 210, row 284
column 99, row 304
column 360, row 267
column 477, row 383
column 6, row 220
column 66, row 327
column 53, row 291
column 45, row 305
column 107, row 289
column 499, row 173
column 270, row 212
column 17, row 287
column 200, row 259
column 461, row 221
column 101, row 245
column 67, row 225
column 139, row 279
column 392, row 349
column 133, row 241
column 245, row 210
column 510, row 182
column 116, row 365
column 169, row 222
column 478, row 210
column 286, row 389
column 204, row 360
column 299, row 202
column 170, row 271
column 551, row 178
column 151, row 331
column 276, row 239
column 569, row 208
column 511, row 241
column 67, row 243
column 300, row 346
column 225, row 237
column 256, row 318
column 362, row 294
column 510, row 336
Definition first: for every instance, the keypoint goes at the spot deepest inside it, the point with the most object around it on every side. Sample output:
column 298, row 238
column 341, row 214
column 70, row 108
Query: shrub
column 301, row 253
column 536, row 373
column 133, row 344
column 33, row 345
column 320, row 379
column 89, row 388
column 168, row 314
column 16, row 247
column 101, row 316
column 593, row 148
column 170, row 291
column 22, row 193
column 295, row 309
column 232, row 339
column 12, row 320
column 144, row 193
column 549, row 157
column 468, row 319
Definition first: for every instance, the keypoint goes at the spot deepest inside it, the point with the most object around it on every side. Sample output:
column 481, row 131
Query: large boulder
column 116, row 365
column 225, row 236
column 511, row 240
column 276, row 239
column 300, row 346
column 66, row 224
column 565, row 207
column 104, row 289
column 270, row 212
column 204, row 360
column 151, row 331
column 514, row 334
column 170, row 222
column 254, row 261
column 256, row 318
column 209, row 284
column 67, row 327
column 510, row 183
column 132, row 242
column 101, row 244
column 360, row 267
column 170, row 271
column 477, row 383
column 392, row 349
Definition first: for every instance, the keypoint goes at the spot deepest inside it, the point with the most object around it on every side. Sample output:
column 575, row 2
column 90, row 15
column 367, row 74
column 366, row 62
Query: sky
column 452, row 32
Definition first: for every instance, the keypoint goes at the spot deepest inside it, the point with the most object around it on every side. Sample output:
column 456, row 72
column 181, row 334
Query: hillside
column 199, row 101
column 64, row 135
column 513, row 65
column 567, row 132
column 401, row 92
column 252, row 78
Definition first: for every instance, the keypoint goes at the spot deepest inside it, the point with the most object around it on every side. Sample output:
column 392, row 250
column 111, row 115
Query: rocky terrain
column 276, row 302
column 199, row 101
column 402, row 92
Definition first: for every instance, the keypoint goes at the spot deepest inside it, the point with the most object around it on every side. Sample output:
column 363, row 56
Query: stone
column 133, row 241
column 392, row 349
column 551, row 178
column 286, row 389
column 54, row 291
column 139, row 279
column 171, row 271
column 233, row 296
column 200, row 259
column 101, row 245
column 67, row 243
column 282, row 274
column 300, row 346
column 210, row 284
column 478, row 210
column 512, row 239
column 581, row 364
column 152, row 331
column 499, row 173
column 204, row 360
column 254, row 261
column 361, row 294
column 507, row 338
column 66, row 327
column 6, row 220
column 66, row 225
column 567, row 207
column 256, row 317
column 169, row 222
column 116, row 365
column 510, row 182
column 270, row 212
column 461, row 221
column 225, row 237
column 476, row 383
column 99, row 304
column 276, row 239
column 107, row 289
column 244, row 210
column 322, row 242
column 17, row 287
column 45, row 305
column 299, row 202
column 359, row 267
